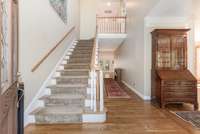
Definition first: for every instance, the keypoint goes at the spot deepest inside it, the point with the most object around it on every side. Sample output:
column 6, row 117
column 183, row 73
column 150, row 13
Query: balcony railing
column 111, row 25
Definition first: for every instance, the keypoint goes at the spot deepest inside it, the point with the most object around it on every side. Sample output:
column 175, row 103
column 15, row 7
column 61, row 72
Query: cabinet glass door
column 178, row 54
column 163, row 53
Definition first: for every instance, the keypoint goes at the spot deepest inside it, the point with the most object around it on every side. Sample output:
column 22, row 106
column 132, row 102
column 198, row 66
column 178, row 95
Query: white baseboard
column 94, row 118
column 36, row 103
column 146, row 98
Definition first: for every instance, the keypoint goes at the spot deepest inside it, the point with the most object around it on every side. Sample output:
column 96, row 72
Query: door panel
column 8, row 66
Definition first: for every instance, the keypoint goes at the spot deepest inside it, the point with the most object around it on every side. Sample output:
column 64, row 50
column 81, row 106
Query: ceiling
column 110, row 44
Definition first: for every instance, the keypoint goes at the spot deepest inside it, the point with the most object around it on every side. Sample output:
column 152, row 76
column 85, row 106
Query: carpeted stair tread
column 76, row 64
column 72, row 77
column 67, row 85
column 68, row 70
column 63, row 96
column 57, row 110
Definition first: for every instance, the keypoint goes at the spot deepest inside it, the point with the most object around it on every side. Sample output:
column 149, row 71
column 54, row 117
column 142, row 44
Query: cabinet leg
column 162, row 105
column 196, row 107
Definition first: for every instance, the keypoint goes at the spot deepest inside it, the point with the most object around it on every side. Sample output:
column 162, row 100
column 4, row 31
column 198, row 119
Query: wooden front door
column 8, row 66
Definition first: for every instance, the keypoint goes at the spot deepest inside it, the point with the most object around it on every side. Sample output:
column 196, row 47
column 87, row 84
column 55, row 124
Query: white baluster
column 95, row 92
column 101, row 91
column 91, row 90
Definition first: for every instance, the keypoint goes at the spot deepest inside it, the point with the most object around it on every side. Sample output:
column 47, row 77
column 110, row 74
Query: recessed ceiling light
column 109, row 4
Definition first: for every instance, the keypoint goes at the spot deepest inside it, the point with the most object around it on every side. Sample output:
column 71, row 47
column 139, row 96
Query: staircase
column 66, row 103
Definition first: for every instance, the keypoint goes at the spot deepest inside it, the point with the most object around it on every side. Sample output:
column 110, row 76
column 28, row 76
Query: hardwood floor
column 126, row 116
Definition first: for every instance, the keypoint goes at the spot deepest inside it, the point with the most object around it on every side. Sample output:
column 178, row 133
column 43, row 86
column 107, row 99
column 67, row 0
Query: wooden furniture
column 171, row 81
column 8, row 66
column 108, row 74
column 118, row 74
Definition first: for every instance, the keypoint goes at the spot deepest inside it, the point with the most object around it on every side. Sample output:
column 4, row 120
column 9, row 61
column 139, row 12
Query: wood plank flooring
column 126, row 116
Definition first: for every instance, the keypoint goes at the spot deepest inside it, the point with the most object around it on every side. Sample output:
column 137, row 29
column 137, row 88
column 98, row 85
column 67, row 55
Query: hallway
column 125, row 116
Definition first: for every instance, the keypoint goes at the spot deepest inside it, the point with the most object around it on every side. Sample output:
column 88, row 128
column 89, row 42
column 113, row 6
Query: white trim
column 167, row 21
column 36, row 103
column 94, row 118
column 146, row 98
column 113, row 36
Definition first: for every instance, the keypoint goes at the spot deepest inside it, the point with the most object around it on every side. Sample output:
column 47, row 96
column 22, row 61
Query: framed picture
column 60, row 6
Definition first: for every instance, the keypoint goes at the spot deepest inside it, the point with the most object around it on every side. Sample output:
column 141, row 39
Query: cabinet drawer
column 179, row 94
column 181, row 89
column 176, row 100
column 179, row 83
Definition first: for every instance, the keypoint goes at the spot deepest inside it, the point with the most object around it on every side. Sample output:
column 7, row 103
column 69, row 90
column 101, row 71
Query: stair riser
column 83, row 48
column 76, row 67
column 79, row 60
column 85, row 43
column 81, row 56
column 58, row 119
column 81, row 53
column 64, row 102
column 75, row 73
column 78, row 91
column 72, row 81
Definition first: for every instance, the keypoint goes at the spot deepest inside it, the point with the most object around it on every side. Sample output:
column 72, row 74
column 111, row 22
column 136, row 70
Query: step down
column 58, row 115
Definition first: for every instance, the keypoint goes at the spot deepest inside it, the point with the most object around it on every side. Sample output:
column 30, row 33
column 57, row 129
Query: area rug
column 193, row 117
column 114, row 90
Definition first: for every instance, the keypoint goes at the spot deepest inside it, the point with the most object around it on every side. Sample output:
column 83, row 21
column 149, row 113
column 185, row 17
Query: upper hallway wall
column 40, row 29
column 88, row 18
column 114, row 9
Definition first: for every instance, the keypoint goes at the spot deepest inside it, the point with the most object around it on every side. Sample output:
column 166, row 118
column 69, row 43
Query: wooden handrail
column 36, row 66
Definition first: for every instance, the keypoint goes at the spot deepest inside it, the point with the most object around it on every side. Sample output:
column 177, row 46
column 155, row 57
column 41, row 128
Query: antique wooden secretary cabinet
column 171, row 82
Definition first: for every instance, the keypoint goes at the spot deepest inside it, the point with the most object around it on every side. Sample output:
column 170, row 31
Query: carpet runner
column 114, row 90
column 193, row 117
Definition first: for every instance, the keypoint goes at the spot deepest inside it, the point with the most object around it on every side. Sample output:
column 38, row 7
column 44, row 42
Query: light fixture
column 108, row 4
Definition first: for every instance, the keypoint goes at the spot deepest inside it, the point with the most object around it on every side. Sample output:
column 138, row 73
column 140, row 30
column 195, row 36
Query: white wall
column 130, row 56
column 115, row 8
column 40, row 29
column 134, row 56
column 197, row 31
column 88, row 18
